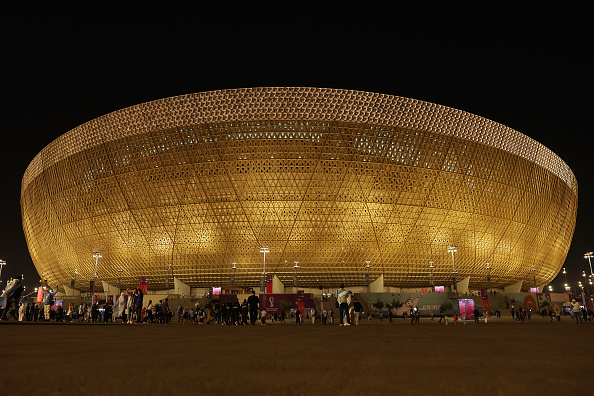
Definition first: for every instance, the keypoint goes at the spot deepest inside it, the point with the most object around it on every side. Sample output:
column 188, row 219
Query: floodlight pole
column 2, row 264
column 589, row 256
column 452, row 250
column 96, row 256
column 264, row 249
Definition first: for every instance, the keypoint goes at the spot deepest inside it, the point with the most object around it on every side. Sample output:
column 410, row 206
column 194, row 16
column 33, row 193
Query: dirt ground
column 499, row 358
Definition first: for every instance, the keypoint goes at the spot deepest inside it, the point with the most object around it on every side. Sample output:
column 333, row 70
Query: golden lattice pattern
column 186, row 186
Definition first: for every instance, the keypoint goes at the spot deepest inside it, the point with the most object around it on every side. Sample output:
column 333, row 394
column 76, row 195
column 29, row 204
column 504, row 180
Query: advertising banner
column 143, row 284
column 485, row 303
column 466, row 308
column 269, row 283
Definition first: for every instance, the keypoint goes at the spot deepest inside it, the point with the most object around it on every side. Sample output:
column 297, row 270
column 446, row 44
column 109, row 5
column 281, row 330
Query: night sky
column 63, row 66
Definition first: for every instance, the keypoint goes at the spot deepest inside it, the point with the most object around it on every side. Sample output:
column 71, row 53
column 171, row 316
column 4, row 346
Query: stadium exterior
column 345, row 183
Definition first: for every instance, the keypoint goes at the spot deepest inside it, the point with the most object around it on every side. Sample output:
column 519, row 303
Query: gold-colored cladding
column 187, row 186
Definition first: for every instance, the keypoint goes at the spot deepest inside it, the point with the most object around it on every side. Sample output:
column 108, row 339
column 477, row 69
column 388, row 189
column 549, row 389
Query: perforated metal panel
column 186, row 186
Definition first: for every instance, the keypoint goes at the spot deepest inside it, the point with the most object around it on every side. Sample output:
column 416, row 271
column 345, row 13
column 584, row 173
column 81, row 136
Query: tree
column 286, row 306
column 379, row 305
column 394, row 304
column 446, row 306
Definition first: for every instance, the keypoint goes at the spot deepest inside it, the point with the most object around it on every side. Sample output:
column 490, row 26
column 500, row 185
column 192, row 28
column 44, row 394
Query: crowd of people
column 130, row 308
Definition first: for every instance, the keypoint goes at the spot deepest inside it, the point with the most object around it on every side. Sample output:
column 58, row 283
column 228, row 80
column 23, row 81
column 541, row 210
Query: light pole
column 431, row 273
column 2, row 264
column 73, row 283
column 96, row 256
column 488, row 274
column 532, row 270
column 296, row 266
column 367, row 275
column 567, row 288
column 452, row 250
column 233, row 274
column 589, row 256
column 264, row 249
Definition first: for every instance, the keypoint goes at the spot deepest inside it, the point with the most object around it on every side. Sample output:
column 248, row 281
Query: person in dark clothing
column 476, row 315
column 138, row 295
column 297, row 316
column 94, row 312
column 229, row 313
column 165, row 310
column 253, row 302
column 244, row 312
column 13, row 296
column 358, row 309
column 236, row 309
column 223, row 313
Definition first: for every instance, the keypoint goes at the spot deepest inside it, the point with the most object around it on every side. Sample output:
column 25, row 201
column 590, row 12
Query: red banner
column 143, row 284
column 269, row 283
column 485, row 301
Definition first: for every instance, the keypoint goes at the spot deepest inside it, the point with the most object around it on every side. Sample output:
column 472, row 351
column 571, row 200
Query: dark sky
column 62, row 66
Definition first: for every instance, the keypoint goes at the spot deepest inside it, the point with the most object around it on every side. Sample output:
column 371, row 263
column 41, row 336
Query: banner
column 466, row 308
column 269, row 283
column 143, row 284
column 485, row 301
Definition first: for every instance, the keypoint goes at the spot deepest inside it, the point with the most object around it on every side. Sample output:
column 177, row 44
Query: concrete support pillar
column 110, row 290
column 181, row 288
column 70, row 291
column 377, row 286
column 515, row 288
column 277, row 285
column 463, row 285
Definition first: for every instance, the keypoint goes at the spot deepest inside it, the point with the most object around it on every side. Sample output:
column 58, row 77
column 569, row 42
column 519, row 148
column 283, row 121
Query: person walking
column 358, row 309
column 11, row 298
column 253, row 302
column 342, row 296
column 48, row 300
column 577, row 311
column 166, row 311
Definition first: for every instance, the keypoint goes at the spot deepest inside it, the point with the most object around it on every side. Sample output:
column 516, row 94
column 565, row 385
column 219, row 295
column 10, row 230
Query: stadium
column 338, row 185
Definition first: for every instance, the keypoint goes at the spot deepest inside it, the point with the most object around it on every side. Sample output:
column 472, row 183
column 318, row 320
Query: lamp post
column 296, row 266
column 73, row 282
column 431, row 266
column 452, row 250
column 488, row 274
column 264, row 249
column 567, row 288
column 96, row 256
column 589, row 256
column 532, row 270
column 119, row 278
column 367, row 275
column 233, row 274
column 2, row 264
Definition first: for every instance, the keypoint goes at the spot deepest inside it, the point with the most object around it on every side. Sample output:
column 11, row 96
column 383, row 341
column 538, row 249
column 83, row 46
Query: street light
column 233, row 274
column 589, row 256
column 452, row 250
column 489, row 274
column 96, row 256
column 367, row 276
column 263, row 249
column 532, row 269
column 2, row 264
column 296, row 266
column 431, row 266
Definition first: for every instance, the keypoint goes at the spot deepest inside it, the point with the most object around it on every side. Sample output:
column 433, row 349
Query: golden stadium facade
column 332, row 179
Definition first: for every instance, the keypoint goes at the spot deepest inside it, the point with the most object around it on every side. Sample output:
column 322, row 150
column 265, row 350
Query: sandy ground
column 499, row 358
